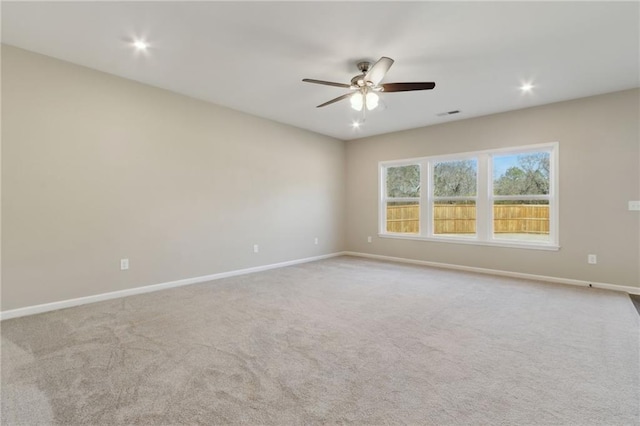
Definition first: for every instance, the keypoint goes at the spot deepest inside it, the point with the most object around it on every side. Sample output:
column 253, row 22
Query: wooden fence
column 461, row 219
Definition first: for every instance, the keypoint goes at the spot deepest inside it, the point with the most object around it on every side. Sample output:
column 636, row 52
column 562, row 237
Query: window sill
column 475, row 242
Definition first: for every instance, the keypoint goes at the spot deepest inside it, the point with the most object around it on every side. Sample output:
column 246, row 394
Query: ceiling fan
column 364, row 86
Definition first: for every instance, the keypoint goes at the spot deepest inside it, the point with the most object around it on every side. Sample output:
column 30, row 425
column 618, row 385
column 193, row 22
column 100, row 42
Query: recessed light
column 355, row 124
column 140, row 45
column 526, row 87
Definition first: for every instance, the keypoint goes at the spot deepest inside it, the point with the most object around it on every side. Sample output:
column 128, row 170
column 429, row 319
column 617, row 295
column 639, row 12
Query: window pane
column 455, row 178
column 521, row 174
column 403, row 181
column 454, row 218
column 403, row 217
column 523, row 220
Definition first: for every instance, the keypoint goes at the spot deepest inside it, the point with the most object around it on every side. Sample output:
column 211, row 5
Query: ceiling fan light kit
column 367, row 84
column 364, row 98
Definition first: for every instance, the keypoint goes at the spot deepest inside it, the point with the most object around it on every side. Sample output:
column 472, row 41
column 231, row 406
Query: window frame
column 484, row 198
column 384, row 198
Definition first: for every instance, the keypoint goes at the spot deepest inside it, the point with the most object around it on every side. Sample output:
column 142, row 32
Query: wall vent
column 442, row 114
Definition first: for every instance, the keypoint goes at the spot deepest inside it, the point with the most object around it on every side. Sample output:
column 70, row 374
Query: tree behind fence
column 461, row 219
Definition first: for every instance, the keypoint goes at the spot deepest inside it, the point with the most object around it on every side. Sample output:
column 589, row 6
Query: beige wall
column 96, row 168
column 599, row 147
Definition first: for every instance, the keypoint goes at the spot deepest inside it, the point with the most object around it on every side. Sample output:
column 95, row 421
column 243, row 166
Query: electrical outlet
column 634, row 205
column 315, row 241
column 256, row 249
column 124, row 264
column 369, row 239
column 592, row 259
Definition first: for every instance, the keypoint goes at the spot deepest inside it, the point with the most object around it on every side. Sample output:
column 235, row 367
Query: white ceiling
column 252, row 56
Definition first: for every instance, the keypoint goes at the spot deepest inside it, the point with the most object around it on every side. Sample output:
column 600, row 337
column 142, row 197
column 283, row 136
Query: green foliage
column 530, row 177
column 459, row 178
column 455, row 179
column 403, row 181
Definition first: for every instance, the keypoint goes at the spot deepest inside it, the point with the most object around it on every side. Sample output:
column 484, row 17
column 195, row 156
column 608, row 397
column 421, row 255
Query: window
column 504, row 197
column 455, row 189
column 402, row 199
column 521, row 196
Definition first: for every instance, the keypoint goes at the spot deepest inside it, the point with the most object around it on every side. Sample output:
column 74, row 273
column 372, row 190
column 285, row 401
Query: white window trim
column 484, row 198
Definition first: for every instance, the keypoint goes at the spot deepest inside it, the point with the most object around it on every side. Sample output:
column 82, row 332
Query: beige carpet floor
column 344, row 340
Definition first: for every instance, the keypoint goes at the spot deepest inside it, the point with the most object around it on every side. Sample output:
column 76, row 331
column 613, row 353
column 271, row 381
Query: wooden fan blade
column 377, row 72
column 339, row 98
column 406, row 87
column 326, row 83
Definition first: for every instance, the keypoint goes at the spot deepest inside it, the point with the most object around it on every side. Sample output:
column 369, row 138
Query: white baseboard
column 31, row 310
column 606, row 286
column 46, row 307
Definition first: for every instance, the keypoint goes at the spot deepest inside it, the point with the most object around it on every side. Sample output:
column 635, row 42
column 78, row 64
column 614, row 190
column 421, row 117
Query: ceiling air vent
column 442, row 114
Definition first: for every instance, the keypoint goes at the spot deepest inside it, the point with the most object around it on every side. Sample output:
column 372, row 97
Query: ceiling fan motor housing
column 359, row 81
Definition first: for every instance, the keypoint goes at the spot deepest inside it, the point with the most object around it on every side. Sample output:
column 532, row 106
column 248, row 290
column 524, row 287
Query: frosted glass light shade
column 372, row 101
column 356, row 101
